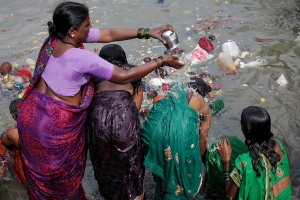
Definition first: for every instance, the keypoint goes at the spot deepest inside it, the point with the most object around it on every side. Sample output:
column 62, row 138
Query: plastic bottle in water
column 231, row 48
column 216, row 106
column 226, row 62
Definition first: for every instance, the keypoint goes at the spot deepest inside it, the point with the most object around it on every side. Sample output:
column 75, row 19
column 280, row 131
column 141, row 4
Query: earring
column 72, row 35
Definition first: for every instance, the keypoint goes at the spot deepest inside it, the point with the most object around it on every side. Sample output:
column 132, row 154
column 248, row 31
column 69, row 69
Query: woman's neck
column 67, row 42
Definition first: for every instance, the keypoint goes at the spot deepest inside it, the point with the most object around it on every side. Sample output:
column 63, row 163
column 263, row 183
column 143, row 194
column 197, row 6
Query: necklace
column 65, row 42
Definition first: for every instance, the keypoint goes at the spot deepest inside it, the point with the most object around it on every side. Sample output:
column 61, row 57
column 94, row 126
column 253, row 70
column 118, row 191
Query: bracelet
column 139, row 33
column 146, row 33
column 226, row 175
column 158, row 63
column 162, row 60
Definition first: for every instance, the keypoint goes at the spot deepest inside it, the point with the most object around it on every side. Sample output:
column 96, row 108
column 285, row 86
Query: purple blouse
column 67, row 73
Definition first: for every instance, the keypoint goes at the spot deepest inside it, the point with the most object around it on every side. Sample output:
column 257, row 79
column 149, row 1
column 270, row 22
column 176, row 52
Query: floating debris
column 282, row 81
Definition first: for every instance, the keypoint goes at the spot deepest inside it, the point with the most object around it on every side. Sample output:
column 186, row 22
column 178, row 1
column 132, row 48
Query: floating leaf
column 42, row 33
column 187, row 12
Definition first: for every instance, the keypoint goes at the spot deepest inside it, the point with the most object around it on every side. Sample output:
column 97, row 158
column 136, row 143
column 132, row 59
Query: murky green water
column 268, row 29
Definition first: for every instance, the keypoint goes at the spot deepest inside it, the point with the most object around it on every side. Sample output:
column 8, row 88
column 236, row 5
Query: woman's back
column 272, row 183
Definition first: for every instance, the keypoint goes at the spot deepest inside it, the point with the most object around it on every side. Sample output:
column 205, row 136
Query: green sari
column 171, row 140
column 250, row 187
column 214, row 167
column 260, row 188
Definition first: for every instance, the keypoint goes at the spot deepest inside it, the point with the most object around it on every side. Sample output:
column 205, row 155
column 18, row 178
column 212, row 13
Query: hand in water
column 172, row 61
column 225, row 149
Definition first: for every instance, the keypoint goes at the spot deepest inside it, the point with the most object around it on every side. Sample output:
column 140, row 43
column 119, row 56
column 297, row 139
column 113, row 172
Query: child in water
column 10, row 156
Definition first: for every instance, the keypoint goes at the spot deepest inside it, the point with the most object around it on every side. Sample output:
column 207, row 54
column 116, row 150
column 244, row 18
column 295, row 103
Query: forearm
column 116, row 34
column 225, row 150
column 226, row 176
column 121, row 76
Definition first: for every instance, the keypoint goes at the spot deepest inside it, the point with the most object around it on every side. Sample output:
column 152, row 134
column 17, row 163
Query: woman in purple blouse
column 52, row 114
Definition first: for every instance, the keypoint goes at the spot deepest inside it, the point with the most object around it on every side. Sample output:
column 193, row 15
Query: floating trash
column 262, row 100
column 5, row 68
column 226, row 63
column 42, row 33
column 30, row 62
column 198, row 56
column 244, row 54
column 282, row 80
column 205, row 44
column 231, row 48
column 256, row 63
column 216, row 106
column 212, row 37
column 156, row 82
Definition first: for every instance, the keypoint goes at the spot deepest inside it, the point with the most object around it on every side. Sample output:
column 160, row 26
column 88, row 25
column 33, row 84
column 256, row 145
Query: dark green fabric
column 171, row 139
column 214, row 166
column 216, row 106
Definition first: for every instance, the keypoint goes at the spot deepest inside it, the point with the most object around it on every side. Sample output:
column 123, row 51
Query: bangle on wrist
column 162, row 60
column 226, row 175
column 139, row 33
column 158, row 62
column 146, row 33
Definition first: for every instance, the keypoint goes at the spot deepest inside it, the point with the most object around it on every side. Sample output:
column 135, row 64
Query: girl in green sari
column 174, row 141
column 263, row 172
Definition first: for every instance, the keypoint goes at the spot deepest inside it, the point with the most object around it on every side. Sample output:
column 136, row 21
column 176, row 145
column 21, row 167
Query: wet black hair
column 67, row 15
column 256, row 127
column 200, row 86
column 116, row 55
column 13, row 108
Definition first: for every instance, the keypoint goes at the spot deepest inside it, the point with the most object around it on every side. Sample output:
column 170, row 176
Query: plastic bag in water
column 198, row 56
column 256, row 63
column 282, row 80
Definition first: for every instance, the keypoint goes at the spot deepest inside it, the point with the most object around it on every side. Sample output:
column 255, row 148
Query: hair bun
column 51, row 28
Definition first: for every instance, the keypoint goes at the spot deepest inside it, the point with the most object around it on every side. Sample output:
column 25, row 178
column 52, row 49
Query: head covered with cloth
column 171, row 140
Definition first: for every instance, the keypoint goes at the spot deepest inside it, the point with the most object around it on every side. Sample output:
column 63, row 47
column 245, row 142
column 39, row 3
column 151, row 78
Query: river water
column 268, row 30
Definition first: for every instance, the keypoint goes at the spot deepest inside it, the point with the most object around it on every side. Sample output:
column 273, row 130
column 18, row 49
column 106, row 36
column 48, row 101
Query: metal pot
column 171, row 39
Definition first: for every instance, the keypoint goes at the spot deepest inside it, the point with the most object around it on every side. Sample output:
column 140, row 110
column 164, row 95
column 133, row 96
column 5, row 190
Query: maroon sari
column 52, row 139
column 114, row 142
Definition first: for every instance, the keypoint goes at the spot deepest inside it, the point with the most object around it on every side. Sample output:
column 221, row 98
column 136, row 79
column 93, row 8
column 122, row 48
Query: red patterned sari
column 52, row 139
